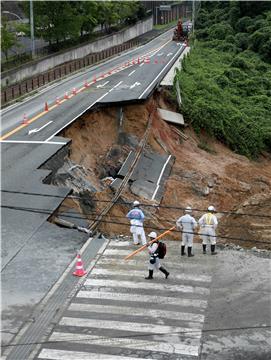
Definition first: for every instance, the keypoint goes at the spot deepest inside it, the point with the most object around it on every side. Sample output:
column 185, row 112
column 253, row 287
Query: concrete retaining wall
column 40, row 66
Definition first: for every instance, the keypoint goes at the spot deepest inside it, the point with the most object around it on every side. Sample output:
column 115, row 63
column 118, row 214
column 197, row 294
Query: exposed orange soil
column 199, row 178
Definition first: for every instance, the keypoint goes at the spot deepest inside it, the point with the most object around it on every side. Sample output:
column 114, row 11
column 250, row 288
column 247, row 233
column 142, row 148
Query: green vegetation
column 226, row 79
column 58, row 21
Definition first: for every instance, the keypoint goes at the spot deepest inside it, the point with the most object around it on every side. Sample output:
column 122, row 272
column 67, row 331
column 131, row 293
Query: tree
column 8, row 39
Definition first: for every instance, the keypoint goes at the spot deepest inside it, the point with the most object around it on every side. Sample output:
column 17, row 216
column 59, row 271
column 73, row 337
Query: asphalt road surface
column 210, row 307
column 35, row 252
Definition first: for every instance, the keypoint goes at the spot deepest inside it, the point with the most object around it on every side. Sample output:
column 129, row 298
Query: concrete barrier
column 37, row 67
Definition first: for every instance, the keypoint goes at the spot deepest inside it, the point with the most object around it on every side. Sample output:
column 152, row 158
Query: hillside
column 200, row 177
column 226, row 80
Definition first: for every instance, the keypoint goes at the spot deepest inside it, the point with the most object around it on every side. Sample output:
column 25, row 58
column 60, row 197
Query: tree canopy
column 56, row 21
column 226, row 79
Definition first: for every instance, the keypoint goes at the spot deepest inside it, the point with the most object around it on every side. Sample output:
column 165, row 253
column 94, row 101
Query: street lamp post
column 32, row 29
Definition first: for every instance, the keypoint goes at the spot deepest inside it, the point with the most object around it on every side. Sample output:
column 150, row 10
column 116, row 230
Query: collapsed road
column 28, row 140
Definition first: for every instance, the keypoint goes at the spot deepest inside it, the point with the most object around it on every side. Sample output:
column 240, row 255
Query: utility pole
column 32, row 30
column 193, row 16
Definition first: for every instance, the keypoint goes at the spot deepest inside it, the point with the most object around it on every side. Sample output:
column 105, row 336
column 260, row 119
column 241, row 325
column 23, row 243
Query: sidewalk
column 118, row 315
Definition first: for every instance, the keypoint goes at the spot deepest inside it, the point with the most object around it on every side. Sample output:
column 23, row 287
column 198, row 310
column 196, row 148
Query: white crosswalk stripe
column 129, row 326
column 116, row 315
column 53, row 354
column 146, row 285
column 126, row 310
column 137, row 344
column 142, row 273
column 154, row 299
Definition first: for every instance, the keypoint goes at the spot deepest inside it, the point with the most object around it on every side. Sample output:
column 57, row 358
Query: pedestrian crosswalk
column 118, row 315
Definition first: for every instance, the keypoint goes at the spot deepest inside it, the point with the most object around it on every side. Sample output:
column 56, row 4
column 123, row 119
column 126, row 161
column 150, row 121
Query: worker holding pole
column 154, row 262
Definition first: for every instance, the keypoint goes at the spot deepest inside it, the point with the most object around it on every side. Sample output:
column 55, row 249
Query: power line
column 48, row 212
column 130, row 203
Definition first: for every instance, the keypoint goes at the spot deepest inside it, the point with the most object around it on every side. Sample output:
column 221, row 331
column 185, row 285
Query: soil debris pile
column 205, row 173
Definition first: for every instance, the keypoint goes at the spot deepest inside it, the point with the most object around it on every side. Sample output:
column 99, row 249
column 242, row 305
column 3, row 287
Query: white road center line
column 131, row 72
column 33, row 142
column 171, row 60
column 77, row 116
column 102, row 85
column 160, row 177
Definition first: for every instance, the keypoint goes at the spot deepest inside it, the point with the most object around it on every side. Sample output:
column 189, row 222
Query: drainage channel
column 27, row 343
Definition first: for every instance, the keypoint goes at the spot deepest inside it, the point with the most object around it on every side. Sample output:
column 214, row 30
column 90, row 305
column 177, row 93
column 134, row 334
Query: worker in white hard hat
column 136, row 217
column 208, row 224
column 154, row 262
column 187, row 225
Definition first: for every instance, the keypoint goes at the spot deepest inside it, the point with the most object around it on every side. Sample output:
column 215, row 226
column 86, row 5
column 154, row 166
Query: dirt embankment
column 205, row 173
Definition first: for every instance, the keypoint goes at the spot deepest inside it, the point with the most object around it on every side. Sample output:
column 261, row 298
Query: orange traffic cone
column 138, row 60
column 79, row 269
column 74, row 91
column 94, row 79
column 66, row 96
column 57, row 101
column 25, row 121
column 46, row 107
column 147, row 60
column 86, row 84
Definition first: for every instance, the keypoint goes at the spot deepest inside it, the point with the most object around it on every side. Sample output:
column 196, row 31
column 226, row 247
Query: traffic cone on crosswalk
column 79, row 269
column 46, row 107
column 25, row 121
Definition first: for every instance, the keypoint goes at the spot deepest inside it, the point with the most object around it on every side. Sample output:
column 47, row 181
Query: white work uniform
column 208, row 223
column 187, row 224
column 152, row 251
column 136, row 217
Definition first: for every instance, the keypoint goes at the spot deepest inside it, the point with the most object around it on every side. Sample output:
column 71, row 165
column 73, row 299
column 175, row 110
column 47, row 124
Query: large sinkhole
column 174, row 171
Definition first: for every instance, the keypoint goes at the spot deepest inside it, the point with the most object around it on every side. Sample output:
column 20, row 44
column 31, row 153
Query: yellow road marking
column 63, row 100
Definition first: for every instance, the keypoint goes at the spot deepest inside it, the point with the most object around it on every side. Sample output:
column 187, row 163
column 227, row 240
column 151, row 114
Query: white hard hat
column 152, row 235
column 135, row 203
column 188, row 209
column 211, row 208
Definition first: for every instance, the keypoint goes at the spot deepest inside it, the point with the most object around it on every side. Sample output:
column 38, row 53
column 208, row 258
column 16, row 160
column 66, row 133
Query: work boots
column 164, row 271
column 213, row 252
column 189, row 249
column 204, row 248
column 182, row 249
column 150, row 275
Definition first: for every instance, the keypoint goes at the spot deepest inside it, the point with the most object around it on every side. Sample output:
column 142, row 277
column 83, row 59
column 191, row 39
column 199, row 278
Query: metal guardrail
column 15, row 91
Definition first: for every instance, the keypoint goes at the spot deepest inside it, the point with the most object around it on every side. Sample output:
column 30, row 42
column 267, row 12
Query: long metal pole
column 32, row 29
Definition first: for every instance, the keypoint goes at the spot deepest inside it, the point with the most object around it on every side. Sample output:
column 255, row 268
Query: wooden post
column 148, row 244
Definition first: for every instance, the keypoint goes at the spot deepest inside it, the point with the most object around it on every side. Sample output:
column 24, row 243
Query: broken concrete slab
column 171, row 116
